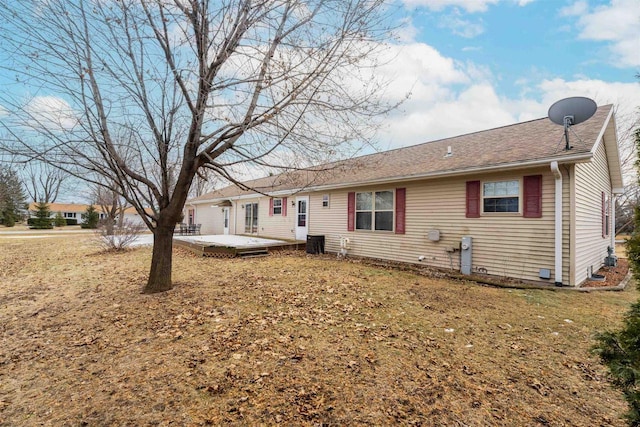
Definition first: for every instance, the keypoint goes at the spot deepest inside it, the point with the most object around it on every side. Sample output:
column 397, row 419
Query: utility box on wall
column 466, row 246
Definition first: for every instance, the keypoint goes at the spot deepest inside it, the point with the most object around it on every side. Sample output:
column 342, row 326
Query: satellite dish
column 571, row 111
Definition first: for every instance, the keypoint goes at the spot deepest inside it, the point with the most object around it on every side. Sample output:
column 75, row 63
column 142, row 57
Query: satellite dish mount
column 571, row 111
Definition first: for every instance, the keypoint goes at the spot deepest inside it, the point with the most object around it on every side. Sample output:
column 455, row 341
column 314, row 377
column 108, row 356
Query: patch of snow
column 229, row 240
column 214, row 239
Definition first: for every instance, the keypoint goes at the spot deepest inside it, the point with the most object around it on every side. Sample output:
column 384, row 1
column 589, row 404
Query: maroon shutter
column 400, row 209
column 284, row 206
column 604, row 216
column 351, row 211
column 532, row 203
column 473, row 199
column 270, row 207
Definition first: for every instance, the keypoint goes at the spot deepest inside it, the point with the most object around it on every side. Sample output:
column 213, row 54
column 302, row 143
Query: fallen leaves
column 289, row 339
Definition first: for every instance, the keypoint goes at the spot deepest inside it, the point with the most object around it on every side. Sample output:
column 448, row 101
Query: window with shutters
column 508, row 196
column 277, row 207
column 501, row 196
column 374, row 211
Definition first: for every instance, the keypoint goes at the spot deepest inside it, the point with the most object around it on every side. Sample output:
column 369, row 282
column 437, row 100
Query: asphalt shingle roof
column 524, row 142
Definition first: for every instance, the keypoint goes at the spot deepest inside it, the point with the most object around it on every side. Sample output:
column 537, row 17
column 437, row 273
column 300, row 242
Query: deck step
column 252, row 253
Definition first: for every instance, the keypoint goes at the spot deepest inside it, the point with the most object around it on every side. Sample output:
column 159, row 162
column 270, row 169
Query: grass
column 289, row 339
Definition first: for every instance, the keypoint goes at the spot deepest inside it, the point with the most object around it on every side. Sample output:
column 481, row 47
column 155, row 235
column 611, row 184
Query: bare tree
column 113, row 206
column 204, row 182
column 43, row 181
column 145, row 93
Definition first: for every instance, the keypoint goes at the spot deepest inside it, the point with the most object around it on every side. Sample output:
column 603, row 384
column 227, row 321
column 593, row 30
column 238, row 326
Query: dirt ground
column 289, row 339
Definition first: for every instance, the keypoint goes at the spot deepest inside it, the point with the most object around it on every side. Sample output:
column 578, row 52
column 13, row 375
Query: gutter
column 558, row 223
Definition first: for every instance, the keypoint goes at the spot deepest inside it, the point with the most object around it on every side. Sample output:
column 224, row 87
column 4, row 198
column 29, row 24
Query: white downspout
column 612, row 226
column 558, row 223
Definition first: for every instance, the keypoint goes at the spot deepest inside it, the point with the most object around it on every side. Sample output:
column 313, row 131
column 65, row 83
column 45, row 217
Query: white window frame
column 251, row 221
column 374, row 211
column 279, row 207
column 505, row 196
column 325, row 200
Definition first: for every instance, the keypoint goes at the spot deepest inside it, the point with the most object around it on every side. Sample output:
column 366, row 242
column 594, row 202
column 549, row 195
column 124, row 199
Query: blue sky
column 471, row 65
column 478, row 64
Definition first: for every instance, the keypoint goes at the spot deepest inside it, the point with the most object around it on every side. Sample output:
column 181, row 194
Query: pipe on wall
column 558, row 223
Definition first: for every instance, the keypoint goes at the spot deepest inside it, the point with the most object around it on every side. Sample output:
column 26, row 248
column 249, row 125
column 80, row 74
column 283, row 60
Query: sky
column 477, row 64
column 471, row 65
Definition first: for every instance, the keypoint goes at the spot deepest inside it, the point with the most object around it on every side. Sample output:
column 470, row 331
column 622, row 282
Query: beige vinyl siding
column 210, row 217
column 591, row 179
column 276, row 226
column 566, row 224
column 503, row 244
column 238, row 213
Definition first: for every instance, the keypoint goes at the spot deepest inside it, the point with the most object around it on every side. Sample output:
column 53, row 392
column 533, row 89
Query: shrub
column 620, row 350
column 42, row 218
column 59, row 221
column 9, row 220
column 71, row 221
column 120, row 238
column 90, row 218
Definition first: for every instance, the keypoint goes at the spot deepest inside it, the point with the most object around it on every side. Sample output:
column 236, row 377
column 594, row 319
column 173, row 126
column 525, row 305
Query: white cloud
column 407, row 32
column 471, row 6
column 624, row 96
column 576, row 9
column 450, row 98
column 461, row 27
column 618, row 24
column 50, row 113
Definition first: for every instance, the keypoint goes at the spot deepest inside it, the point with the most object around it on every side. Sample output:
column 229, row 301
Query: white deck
column 230, row 240
column 216, row 240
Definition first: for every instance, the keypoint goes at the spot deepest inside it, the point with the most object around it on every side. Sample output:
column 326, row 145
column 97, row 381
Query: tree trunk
column 160, row 274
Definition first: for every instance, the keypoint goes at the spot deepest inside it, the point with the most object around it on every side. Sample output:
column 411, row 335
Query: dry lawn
column 288, row 339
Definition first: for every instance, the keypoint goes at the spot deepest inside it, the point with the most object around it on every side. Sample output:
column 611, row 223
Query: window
column 374, row 211
column 69, row 215
column 501, row 196
column 325, row 200
column 251, row 218
column 277, row 206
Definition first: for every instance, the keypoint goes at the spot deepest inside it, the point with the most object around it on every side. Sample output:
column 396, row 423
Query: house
column 71, row 211
column 131, row 216
column 510, row 201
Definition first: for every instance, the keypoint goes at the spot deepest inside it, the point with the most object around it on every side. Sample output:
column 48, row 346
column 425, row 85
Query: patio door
column 225, row 221
column 251, row 218
column 302, row 217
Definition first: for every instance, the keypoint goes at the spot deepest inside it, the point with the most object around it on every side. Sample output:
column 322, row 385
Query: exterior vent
column 545, row 273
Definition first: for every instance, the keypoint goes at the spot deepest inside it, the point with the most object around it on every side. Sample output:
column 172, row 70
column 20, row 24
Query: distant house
column 510, row 201
column 68, row 210
column 131, row 216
